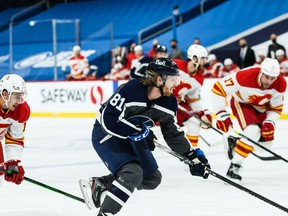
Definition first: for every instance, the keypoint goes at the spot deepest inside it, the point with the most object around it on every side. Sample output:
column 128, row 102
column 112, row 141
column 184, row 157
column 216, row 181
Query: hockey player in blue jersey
column 139, row 70
column 124, row 141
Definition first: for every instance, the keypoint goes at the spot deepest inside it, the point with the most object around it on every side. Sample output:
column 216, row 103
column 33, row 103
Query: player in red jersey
column 257, row 102
column 188, row 92
column 13, row 117
column 79, row 65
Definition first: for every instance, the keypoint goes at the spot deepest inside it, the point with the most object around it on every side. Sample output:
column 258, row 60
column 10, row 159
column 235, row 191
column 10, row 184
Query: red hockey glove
column 205, row 116
column 267, row 130
column 14, row 171
column 223, row 121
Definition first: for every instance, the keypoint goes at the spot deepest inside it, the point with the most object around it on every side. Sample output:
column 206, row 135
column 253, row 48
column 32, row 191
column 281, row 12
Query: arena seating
column 128, row 18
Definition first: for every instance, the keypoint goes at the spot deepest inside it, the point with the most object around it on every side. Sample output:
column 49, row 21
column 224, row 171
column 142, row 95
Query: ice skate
column 93, row 190
column 99, row 187
column 233, row 172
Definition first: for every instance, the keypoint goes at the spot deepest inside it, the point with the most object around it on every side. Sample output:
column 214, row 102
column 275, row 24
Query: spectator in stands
column 283, row 61
column 79, row 66
column 246, row 55
column 138, row 50
column 131, row 55
column 151, row 53
column 175, row 52
column 261, row 55
column 197, row 41
column 229, row 68
column 119, row 56
column 118, row 71
column 213, row 67
column 272, row 48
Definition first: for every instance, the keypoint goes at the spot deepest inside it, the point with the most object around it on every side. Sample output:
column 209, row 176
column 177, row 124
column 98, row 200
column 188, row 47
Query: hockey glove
column 14, row 171
column 200, row 163
column 267, row 130
column 206, row 118
column 223, row 121
column 144, row 139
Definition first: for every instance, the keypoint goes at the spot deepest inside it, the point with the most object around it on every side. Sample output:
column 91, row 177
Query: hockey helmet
column 280, row 52
column 212, row 57
column 228, row 61
column 163, row 66
column 13, row 83
column 76, row 48
column 198, row 51
column 161, row 48
column 270, row 67
column 138, row 48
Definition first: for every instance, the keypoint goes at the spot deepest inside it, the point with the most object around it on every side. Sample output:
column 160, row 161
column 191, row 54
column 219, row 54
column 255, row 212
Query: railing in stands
column 166, row 24
column 12, row 22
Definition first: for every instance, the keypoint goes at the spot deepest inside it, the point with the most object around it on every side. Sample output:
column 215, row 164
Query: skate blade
column 87, row 193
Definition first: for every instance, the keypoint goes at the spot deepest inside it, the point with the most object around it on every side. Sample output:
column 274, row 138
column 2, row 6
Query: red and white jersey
column 79, row 66
column 284, row 67
column 213, row 70
column 224, row 71
column 245, row 87
column 13, row 123
column 189, row 88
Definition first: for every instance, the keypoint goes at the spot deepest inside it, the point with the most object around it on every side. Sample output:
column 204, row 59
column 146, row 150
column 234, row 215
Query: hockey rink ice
column 59, row 152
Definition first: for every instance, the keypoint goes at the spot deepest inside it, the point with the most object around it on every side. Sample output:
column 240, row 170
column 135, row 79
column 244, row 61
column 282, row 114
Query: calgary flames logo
column 259, row 100
column 181, row 88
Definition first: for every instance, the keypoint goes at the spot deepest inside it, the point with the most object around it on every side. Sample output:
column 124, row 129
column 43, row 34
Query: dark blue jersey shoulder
column 139, row 70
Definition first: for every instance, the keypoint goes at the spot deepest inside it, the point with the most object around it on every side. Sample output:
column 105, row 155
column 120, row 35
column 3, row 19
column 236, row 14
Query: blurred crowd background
column 43, row 40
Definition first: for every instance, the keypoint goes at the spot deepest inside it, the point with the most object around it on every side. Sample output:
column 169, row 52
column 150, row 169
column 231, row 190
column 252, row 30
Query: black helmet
column 161, row 48
column 163, row 66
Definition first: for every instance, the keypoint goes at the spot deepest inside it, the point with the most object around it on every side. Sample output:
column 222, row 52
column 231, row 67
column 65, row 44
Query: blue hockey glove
column 200, row 163
column 144, row 139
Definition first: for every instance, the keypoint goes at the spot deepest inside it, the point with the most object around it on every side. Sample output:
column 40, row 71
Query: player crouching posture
column 257, row 102
column 124, row 142
column 13, row 116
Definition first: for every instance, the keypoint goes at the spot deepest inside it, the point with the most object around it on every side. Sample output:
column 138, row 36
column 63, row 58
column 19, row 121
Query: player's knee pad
column 193, row 126
column 131, row 174
column 252, row 131
column 151, row 182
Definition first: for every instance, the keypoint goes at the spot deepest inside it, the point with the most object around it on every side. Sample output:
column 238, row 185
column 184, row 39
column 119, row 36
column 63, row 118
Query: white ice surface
column 59, row 152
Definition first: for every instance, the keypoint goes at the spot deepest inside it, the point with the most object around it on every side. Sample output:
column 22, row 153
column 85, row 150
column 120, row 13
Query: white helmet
column 76, row 48
column 270, row 67
column 13, row 83
column 280, row 52
column 228, row 61
column 198, row 51
column 212, row 57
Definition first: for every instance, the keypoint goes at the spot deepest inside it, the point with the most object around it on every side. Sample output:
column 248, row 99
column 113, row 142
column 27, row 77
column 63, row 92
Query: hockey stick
column 211, row 172
column 47, row 187
column 261, row 146
column 275, row 157
column 204, row 140
column 271, row 158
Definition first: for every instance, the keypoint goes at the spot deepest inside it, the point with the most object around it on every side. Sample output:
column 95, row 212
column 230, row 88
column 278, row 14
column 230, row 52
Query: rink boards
column 83, row 98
